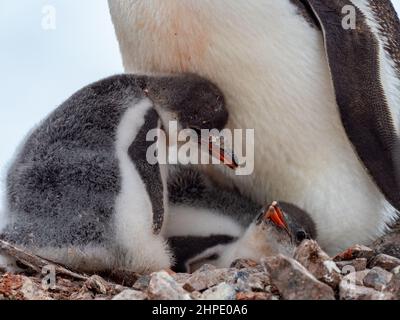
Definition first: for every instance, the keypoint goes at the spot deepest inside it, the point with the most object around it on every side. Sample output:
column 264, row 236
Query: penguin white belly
column 133, row 208
column 280, row 88
column 200, row 222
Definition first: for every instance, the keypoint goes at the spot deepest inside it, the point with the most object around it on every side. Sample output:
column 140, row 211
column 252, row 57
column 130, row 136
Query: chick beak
column 275, row 214
column 219, row 152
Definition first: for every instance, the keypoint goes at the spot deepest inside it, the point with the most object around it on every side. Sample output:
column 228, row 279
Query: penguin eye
column 301, row 236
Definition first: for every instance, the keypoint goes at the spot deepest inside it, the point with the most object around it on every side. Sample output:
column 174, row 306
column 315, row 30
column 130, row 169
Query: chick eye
column 301, row 235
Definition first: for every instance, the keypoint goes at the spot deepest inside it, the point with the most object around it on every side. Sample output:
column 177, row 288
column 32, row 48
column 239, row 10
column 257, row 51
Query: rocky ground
column 360, row 273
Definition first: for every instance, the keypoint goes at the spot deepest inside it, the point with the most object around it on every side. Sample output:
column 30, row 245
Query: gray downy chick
column 81, row 191
column 219, row 225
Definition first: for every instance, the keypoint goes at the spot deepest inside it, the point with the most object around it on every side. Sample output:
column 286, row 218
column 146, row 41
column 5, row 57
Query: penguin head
column 300, row 224
column 288, row 221
column 194, row 102
column 279, row 228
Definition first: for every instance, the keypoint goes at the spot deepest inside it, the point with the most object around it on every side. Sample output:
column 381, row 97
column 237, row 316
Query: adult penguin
column 318, row 80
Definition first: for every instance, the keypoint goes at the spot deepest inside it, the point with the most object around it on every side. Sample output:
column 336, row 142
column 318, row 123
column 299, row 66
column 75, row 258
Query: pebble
column 131, row 295
column 142, row 283
column 205, row 277
column 393, row 287
column 163, row 287
column 253, row 296
column 97, row 285
column 350, row 266
column 359, row 273
column 377, row 278
column 294, row 281
column 223, row 291
column 352, row 287
column 315, row 260
column 33, row 291
column 385, row 262
column 355, row 252
column 244, row 264
column 389, row 244
column 354, row 292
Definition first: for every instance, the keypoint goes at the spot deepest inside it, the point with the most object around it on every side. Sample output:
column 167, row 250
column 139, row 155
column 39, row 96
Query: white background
column 39, row 69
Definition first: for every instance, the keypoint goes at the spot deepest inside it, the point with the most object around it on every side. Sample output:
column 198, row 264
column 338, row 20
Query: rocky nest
column 359, row 273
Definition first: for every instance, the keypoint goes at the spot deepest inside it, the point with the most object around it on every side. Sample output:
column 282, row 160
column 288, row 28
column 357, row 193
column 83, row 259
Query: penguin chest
column 140, row 203
column 271, row 64
column 256, row 53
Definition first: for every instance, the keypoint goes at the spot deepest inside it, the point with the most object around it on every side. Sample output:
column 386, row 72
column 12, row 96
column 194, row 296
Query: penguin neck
column 145, row 83
column 168, row 122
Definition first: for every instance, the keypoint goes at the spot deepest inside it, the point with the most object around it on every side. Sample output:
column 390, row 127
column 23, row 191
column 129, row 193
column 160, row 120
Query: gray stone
column 377, row 279
column 349, row 291
column 253, row 296
column 131, row 295
column 82, row 295
column 97, row 285
column 102, row 297
column 181, row 277
column 356, row 277
column 206, row 268
column 205, row 278
column 19, row 287
column 355, row 252
column 250, row 282
column 33, row 291
column 355, row 265
column 385, row 262
column 396, row 270
column 393, row 287
column 223, row 291
column 163, row 287
column 315, row 260
column 142, row 283
column 352, row 288
column 294, row 281
column 389, row 244
column 118, row 288
column 195, row 295
column 244, row 264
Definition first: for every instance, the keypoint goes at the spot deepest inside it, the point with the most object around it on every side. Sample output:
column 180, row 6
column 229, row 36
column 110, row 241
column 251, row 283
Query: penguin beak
column 219, row 152
column 275, row 214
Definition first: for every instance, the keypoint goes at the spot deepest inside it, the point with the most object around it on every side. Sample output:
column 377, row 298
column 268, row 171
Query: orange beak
column 227, row 157
column 275, row 214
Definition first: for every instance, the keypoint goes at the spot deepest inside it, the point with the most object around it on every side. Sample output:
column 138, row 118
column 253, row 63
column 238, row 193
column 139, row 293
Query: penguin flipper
column 369, row 107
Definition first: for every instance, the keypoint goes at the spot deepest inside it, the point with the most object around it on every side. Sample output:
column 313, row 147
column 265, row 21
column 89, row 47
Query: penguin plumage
column 323, row 100
column 209, row 223
column 81, row 191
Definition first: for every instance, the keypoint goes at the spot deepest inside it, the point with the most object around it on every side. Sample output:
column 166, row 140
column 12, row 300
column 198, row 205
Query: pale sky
column 41, row 68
